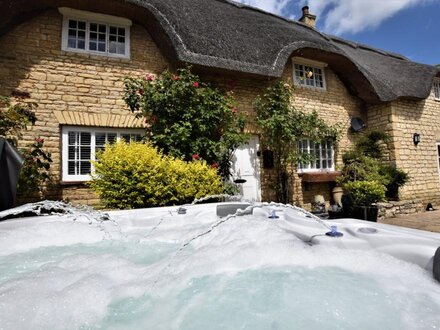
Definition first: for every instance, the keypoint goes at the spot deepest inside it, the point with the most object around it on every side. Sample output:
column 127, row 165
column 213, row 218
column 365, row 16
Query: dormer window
column 308, row 73
column 437, row 90
column 85, row 32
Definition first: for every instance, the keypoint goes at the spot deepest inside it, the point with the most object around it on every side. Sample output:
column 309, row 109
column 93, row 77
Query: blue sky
column 407, row 27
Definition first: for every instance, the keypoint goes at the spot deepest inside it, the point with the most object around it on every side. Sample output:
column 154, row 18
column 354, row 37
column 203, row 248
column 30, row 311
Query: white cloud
column 342, row 16
column 272, row 6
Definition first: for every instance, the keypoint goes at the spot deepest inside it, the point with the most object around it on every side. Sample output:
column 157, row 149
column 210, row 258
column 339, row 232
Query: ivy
column 186, row 116
column 281, row 127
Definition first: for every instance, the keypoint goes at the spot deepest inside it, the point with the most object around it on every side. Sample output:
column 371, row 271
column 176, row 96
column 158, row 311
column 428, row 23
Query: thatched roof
column 226, row 35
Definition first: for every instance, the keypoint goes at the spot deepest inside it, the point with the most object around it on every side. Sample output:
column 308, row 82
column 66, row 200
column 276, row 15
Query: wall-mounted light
column 416, row 138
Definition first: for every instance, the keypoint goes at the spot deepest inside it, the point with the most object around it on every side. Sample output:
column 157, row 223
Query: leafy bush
column 394, row 179
column 35, row 170
column 186, row 116
column 366, row 163
column 137, row 175
column 365, row 192
column 14, row 118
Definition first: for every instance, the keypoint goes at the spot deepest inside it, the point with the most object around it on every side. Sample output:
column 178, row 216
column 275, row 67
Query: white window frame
column 66, row 177
column 314, row 65
column 436, row 86
column 309, row 168
column 90, row 18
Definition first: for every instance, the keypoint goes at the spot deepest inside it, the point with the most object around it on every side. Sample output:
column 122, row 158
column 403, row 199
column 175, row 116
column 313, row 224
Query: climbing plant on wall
column 281, row 127
column 186, row 117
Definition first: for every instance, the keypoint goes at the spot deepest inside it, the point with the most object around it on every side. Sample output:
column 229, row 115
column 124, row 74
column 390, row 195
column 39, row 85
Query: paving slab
column 427, row 220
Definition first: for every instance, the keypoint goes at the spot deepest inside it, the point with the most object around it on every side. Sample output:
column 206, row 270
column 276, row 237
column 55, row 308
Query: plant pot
column 368, row 213
column 337, row 195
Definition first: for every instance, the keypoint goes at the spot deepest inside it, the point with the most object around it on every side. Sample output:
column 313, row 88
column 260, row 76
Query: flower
column 196, row 84
column 141, row 92
column 39, row 140
column 195, row 156
column 176, row 77
column 153, row 119
column 150, row 77
column 234, row 110
column 214, row 165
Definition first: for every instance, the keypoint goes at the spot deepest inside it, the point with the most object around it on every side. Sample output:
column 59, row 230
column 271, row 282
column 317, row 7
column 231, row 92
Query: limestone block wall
column 79, row 89
column 336, row 106
column 393, row 208
column 70, row 88
column 401, row 119
column 421, row 161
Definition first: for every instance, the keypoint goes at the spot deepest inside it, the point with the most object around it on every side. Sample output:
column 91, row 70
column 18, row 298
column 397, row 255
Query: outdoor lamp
column 416, row 138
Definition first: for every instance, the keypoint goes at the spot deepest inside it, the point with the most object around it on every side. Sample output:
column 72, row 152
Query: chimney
column 308, row 18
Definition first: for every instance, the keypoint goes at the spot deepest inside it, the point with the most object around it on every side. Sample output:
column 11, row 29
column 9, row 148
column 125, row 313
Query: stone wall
column 78, row 89
column 401, row 119
column 70, row 88
column 421, row 161
column 393, row 208
column 336, row 106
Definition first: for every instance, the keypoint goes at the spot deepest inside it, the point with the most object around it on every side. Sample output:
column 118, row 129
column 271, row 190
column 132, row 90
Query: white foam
column 246, row 273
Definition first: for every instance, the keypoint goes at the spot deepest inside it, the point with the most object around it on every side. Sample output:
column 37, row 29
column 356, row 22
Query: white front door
column 246, row 169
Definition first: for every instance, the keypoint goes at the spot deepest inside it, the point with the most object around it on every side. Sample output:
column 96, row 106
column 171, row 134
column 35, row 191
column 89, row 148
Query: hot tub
column 270, row 266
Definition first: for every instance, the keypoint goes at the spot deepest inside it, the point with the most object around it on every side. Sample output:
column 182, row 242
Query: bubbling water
column 184, row 272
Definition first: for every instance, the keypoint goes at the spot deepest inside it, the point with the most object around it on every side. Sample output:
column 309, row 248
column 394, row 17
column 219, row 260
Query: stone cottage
column 71, row 57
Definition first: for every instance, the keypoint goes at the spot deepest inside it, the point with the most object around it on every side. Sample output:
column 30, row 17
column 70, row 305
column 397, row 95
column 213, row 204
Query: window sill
column 319, row 89
column 316, row 177
column 72, row 183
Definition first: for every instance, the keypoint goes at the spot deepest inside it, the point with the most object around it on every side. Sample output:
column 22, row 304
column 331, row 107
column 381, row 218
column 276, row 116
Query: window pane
column 71, row 168
column 81, row 44
column 71, row 137
column 100, row 139
column 72, row 24
column 111, row 138
column 322, row 153
column 85, row 168
column 309, row 76
column 85, row 138
column 85, row 153
column 81, row 25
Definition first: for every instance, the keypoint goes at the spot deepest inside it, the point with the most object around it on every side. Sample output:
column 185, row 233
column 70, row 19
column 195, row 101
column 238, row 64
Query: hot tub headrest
column 224, row 210
column 436, row 265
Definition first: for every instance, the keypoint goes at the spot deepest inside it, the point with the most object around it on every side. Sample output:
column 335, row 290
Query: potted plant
column 364, row 194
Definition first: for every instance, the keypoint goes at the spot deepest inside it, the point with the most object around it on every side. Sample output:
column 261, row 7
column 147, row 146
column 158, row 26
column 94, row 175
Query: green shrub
column 394, row 179
column 15, row 117
column 365, row 192
column 137, row 175
column 366, row 162
column 187, row 116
